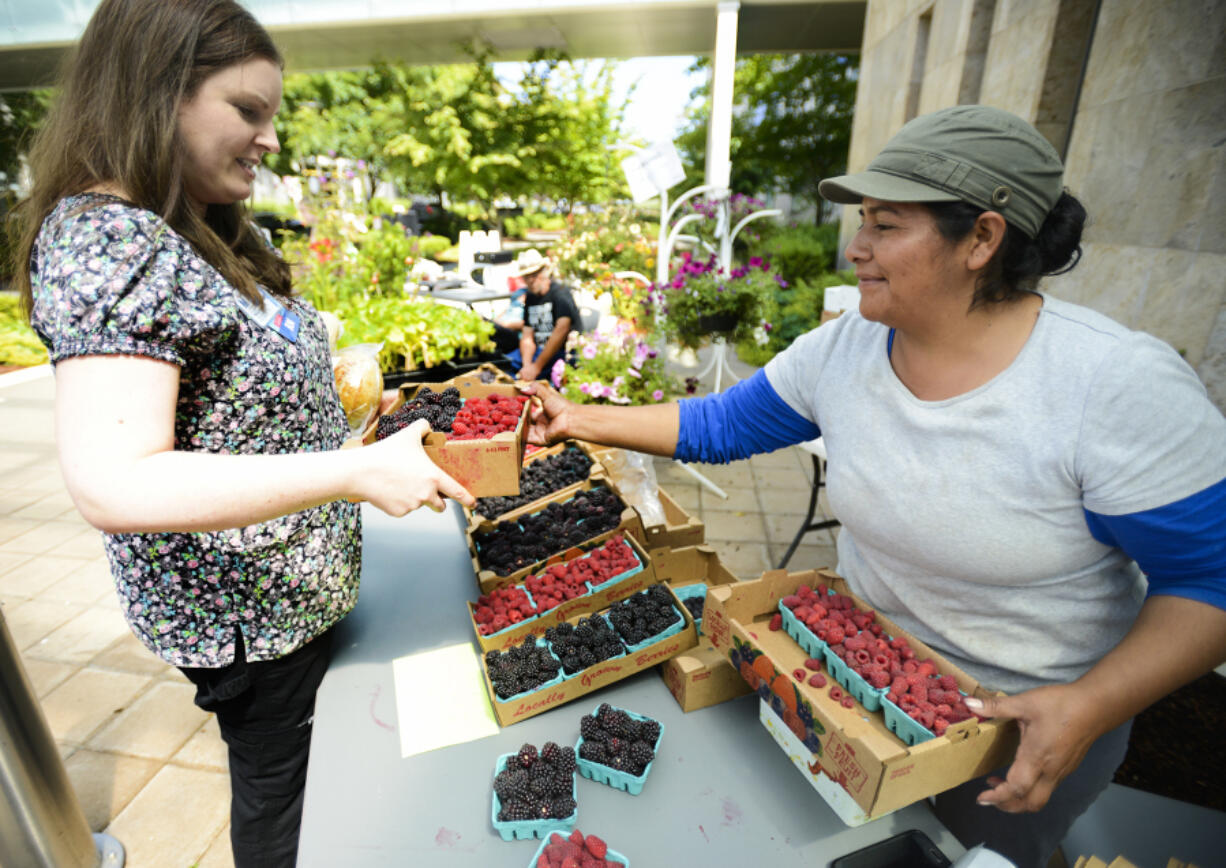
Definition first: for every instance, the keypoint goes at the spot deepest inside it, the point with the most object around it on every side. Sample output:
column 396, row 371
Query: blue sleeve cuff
column 1181, row 547
column 745, row 420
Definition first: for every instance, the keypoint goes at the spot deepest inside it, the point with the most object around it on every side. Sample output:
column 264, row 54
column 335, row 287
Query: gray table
column 720, row 793
column 469, row 295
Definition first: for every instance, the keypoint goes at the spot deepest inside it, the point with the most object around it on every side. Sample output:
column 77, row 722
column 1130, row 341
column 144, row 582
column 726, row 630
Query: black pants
column 265, row 710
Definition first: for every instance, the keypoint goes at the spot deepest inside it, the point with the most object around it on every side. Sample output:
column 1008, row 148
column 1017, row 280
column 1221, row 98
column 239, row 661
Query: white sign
column 652, row 170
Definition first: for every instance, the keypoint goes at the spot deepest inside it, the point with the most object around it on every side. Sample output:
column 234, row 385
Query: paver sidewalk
column 148, row 766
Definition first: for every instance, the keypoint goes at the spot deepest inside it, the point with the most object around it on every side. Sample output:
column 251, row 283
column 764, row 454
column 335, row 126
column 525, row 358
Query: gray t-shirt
column 963, row 519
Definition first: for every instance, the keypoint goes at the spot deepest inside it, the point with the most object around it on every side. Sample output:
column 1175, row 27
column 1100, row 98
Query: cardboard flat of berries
column 618, row 779
column 486, row 467
column 552, row 847
column 511, row 830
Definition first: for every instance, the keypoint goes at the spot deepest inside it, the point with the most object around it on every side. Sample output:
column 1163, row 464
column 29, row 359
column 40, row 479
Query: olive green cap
column 969, row 153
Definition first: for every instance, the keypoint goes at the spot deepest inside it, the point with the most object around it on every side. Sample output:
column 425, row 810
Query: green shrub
column 797, row 309
column 801, row 252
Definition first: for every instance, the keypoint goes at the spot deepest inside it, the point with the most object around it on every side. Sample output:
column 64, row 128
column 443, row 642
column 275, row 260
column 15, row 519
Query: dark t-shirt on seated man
column 542, row 312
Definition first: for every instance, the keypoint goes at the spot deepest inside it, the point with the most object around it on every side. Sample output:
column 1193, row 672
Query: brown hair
column 116, row 121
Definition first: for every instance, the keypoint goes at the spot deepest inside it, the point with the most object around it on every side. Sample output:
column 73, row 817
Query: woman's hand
column 397, row 476
column 549, row 415
column 1058, row 725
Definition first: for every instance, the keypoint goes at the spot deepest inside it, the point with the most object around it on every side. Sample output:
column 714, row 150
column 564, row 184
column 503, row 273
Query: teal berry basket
column 689, row 592
column 511, row 830
column 602, row 774
column 897, row 721
column 576, row 674
column 610, row 855
column 557, row 679
column 520, row 623
column 851, row 680
column 801, row 633
column 673, row 629
column 620, row 576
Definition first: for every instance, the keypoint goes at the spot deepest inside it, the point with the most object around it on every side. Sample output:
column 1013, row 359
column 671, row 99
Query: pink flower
column 589, row 351
column 555, row 373
column 657, row 395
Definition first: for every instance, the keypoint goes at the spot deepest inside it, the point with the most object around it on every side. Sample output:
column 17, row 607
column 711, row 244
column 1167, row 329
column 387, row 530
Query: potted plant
column 613, row 366
column 704, row 301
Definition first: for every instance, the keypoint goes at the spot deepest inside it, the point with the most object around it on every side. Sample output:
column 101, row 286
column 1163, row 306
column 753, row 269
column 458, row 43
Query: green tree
column 791, row 122
column 21, row 113
column 459, row 129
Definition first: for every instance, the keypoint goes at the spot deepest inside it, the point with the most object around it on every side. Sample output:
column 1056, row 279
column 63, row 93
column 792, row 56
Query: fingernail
column 974, row 704
column 983, row 803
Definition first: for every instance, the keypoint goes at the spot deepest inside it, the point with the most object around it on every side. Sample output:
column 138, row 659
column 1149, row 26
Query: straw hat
column 529, row 262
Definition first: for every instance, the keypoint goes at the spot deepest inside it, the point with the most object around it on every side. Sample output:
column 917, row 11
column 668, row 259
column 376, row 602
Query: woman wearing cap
column 1006, row 466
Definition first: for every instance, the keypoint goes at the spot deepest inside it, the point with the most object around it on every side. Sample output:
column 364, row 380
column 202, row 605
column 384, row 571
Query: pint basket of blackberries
column 617, row 747
column 534, row 792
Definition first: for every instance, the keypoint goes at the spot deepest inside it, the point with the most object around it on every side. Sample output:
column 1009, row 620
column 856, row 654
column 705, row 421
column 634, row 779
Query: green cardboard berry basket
column 511, row 830
column 594, row 771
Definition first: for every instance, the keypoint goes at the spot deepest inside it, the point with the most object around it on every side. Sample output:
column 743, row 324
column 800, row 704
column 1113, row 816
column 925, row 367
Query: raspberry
column 776, row 622
column 847, row 702
column 947, row 682
column 940, row 725
column 817, row 680
column 835, row 636
column 596, row 847
column 812, row 663
column 836, row 693
column 791, row 601
column 798, row 674
column 577, row 837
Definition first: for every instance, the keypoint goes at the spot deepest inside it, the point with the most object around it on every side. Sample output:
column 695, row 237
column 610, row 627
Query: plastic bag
column 634, row 473
column 359, row 383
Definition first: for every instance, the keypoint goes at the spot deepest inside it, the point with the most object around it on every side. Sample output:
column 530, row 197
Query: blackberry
column 596, row 751
column 565, row 763
column 589, row 727
column 640, row 753
column 564, row 806
column 695, row 605
column 527, row 756
column 515, row 811
column 649, row 731
column 540, row 786
column 511, row 784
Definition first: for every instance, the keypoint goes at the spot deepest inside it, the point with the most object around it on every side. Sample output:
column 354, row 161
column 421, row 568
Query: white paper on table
column 441, row 699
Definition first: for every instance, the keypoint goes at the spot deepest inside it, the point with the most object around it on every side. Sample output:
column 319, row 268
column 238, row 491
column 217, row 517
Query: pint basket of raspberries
column 477, row 431
column 534, row 792
column 617, row 747
column 585, row 851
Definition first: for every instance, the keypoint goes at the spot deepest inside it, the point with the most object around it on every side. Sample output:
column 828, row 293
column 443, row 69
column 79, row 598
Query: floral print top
column 111, row 278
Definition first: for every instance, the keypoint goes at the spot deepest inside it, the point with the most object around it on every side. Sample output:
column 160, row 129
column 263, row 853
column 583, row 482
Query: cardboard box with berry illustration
column 614, row 588
column 475, row 519
column 703, row 675
column 850, row 745
column 486, row 535
column 564, row 689
column 488, row 466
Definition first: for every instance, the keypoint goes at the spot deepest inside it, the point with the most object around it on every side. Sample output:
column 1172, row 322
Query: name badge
column 271, row 314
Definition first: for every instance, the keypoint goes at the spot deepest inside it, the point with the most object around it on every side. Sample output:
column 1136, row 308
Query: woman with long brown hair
column 197, row 418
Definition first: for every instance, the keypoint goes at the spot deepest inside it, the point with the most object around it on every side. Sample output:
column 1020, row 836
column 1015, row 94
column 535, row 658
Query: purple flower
column 657, row 395
column 755, row 262
column 555, row 374
column 779, row 280
column 589, row 351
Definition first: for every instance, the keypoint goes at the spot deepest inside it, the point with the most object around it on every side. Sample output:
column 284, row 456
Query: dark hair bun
column 1059, row 238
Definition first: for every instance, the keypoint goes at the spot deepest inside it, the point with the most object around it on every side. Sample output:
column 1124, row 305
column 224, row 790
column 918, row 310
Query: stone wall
column 1145, row 149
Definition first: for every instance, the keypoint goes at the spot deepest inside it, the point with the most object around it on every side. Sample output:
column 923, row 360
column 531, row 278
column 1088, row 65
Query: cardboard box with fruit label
column 703, row 675
column 488, row 579
column 615, row 589
column 474, row 519
column 601, row 674
column 487, row 467
column 850, row 745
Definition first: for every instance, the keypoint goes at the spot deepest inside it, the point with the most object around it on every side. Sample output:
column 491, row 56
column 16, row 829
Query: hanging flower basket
column 717, row 323
column 703, row 300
